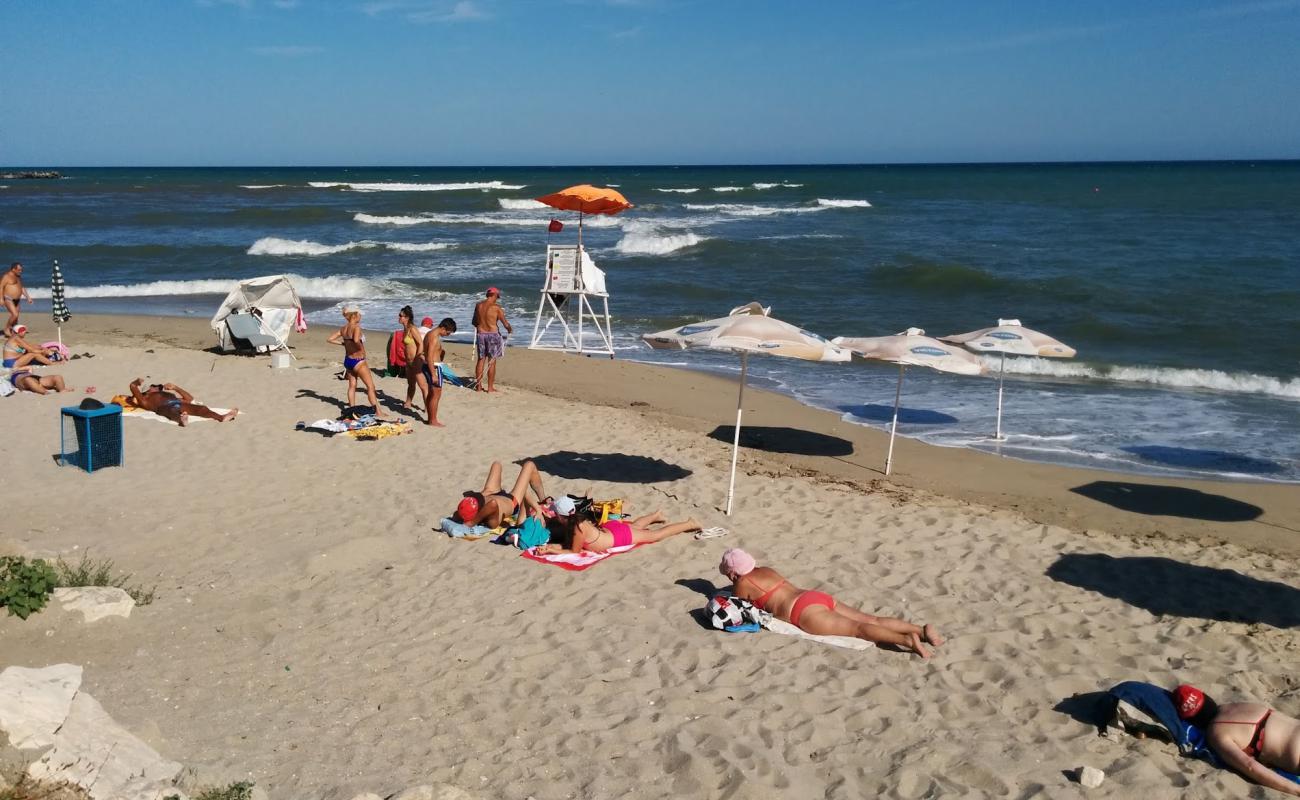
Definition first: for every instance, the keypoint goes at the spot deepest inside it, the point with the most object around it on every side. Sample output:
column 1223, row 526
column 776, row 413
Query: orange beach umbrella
column 586, row 199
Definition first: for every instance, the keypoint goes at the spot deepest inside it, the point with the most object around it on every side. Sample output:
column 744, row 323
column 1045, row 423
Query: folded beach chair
column 248, row 333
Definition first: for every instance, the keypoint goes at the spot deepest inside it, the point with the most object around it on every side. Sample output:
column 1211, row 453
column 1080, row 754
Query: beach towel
column 380, row 430
column 786, row 629
column 576, row 562
column 449, row 377
column 470, row 533
column 143, row 413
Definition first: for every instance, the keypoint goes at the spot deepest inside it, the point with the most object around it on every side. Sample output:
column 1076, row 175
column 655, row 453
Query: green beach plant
column 99, row 572
column 25, row 586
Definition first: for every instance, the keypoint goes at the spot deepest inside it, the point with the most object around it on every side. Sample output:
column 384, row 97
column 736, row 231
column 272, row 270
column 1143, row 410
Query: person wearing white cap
column 18, row 352
column 354, row 357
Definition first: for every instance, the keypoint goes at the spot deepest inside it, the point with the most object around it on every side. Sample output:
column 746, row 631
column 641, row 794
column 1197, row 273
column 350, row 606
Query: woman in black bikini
column 493, row 505
column 817, row 612
column 1251, row 738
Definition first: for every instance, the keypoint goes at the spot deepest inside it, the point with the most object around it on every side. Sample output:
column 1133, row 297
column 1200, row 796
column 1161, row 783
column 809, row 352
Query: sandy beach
column 314, row 631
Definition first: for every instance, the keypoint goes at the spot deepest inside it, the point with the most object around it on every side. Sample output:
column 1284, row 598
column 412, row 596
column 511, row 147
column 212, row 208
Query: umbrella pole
column 1001, row 371
column 893, row 429
column 735, row 445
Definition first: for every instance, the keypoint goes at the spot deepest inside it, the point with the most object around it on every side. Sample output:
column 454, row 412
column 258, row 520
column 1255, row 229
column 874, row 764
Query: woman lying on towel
column 575, row 533
column 816, row 612
column 1251, row 738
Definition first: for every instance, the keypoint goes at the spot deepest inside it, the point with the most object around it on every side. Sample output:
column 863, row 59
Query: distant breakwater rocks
column 29, row 175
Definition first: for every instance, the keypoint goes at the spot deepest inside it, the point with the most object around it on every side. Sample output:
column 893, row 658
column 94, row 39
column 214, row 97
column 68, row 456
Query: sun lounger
column 247, row 328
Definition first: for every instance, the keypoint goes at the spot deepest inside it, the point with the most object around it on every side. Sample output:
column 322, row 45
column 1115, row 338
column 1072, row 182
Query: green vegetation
column 99, row 572
column 25, row 586
column 242, row 790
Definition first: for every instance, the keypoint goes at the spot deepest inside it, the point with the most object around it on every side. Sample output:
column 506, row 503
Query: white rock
column 1091, row 777
column 94, row 752
column 367, row 796
column 95, row 602
column 35, row 702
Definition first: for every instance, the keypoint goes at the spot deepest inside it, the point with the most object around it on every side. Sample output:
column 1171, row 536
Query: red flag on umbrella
column 556, row 226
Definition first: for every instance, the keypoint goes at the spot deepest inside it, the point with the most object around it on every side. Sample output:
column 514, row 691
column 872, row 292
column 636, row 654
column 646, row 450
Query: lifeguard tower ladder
column 572, row 281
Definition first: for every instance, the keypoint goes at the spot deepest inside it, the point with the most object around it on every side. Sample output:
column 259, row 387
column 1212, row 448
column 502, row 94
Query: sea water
column 1178, row 284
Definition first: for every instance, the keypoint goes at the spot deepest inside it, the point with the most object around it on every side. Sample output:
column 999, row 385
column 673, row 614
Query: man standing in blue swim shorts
column 488, row 317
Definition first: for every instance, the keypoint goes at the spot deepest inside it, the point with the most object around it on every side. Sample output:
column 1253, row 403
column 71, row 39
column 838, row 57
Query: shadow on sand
column 1165, row 586
column 1217, row 460
column 1168, row 501
column 784, row 440
column 387, row 402
column 706, row 590
column 611, row 467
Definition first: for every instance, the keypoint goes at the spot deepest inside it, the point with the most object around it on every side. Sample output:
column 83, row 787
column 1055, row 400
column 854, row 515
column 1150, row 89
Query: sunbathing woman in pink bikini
column 817, row 612
column 576, row 535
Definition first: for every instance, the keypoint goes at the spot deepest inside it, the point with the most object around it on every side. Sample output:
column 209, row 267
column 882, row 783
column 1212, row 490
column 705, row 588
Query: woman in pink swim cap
column 817, row 612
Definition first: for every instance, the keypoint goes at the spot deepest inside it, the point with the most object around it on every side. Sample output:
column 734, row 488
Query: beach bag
column 607, row 509
column 60, row 350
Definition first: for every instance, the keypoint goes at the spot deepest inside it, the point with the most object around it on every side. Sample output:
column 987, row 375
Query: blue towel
column 532, row 533
column 456, row 529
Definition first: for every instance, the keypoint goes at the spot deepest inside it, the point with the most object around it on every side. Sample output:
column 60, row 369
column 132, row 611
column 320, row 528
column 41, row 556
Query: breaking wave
column 656, row 244
column 678, row 191
column 414, row 187
column 1213, row 379
column 317, row 288
column 843, row 203
column 743, row 210
column 510, row 204
column 445, row 219
column 264, row 186
column 728, row 188
column 774, row 185
column 273, row 246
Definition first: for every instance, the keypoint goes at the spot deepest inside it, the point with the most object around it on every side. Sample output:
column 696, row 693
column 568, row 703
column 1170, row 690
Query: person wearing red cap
column 11, row 292
column 817, row 612
column 493, row 505
column 488, row 319
column 1251, row 738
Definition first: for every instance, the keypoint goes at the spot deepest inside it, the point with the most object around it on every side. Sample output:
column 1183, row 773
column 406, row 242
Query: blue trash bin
column 91, row 438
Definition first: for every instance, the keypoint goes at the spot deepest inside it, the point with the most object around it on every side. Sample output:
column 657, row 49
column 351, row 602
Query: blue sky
column 461, row 82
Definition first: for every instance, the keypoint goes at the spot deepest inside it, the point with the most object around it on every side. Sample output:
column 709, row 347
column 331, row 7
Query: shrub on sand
column 99, row 572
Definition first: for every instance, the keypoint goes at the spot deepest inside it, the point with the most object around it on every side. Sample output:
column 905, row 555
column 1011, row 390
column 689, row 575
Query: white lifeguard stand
column 571, row 284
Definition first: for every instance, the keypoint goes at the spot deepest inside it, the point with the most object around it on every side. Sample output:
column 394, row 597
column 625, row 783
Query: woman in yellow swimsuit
column 817, row 612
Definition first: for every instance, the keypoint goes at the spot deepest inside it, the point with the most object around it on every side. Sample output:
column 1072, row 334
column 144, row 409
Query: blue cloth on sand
column 532, row 533
column 457, row 529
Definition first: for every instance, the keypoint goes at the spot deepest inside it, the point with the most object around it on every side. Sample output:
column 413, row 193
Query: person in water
column 174, row 403
column 576, row 533
column 354, row 357
column 492, row 506
column 1251, row 738
column 817, row 612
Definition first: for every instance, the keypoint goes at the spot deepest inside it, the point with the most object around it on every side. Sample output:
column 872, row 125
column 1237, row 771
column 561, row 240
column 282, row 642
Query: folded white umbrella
column 911, row 348
column 747, row 329
column 1010, row 338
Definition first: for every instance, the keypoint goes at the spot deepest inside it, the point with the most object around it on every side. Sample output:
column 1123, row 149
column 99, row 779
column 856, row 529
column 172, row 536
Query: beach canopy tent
column 911, row 348
column 278, row 311
column 1009, row 337
column 747, row 329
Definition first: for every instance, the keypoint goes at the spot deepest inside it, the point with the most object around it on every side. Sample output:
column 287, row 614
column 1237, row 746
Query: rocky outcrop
column 95, row 602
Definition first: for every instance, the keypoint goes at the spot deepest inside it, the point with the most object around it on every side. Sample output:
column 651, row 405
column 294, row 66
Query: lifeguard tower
column 572, row 282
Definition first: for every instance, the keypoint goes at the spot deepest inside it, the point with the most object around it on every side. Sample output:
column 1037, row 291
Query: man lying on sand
column 1250, row 737
column 817, row 612
column 171, row 401
column 576, row 534
column 25, row 381
column 492, row 506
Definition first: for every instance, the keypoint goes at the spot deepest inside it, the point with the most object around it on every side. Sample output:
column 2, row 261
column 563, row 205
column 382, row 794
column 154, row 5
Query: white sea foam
column 263, row 186
column 274, row 246
column 1217, row 380
column 678, row 191
column 743, row 210
column 656, row 244
column 511, row 204
column 843, row 203
column 774, row 185
column 317, row 288
column 413, row 187
column 446, row 219
column 728, row 188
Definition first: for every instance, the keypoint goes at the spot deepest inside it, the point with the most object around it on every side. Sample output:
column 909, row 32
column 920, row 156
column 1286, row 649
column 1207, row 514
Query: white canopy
column 272, row 295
